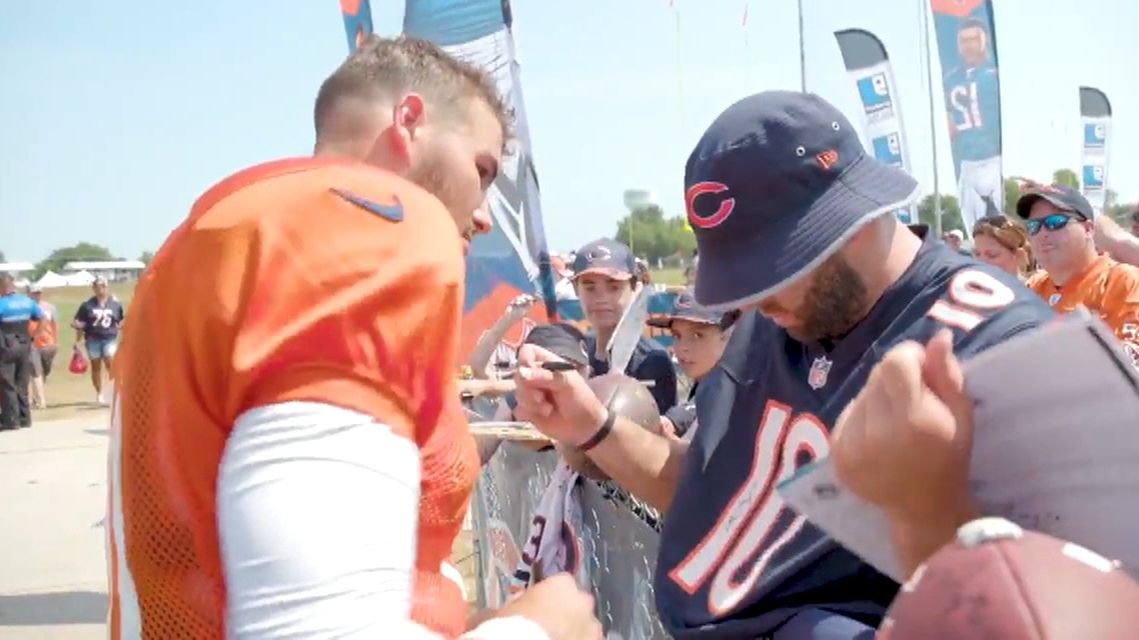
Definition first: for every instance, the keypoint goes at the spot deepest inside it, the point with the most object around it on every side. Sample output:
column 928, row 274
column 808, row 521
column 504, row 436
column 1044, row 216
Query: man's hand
column 520, row 305
column 904, row 442
column 556, row 604
column 559, row 403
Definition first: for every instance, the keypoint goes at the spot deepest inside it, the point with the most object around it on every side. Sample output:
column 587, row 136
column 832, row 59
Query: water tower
column 638, row 199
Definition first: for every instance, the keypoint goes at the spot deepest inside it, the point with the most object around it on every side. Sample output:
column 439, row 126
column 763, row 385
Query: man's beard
column 836, row 301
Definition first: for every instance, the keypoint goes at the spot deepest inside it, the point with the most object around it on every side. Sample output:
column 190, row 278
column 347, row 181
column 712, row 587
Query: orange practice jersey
column 288, row 281
column 1107, row 288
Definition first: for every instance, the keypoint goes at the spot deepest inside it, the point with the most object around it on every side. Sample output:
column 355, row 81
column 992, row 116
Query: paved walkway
column 53, row 498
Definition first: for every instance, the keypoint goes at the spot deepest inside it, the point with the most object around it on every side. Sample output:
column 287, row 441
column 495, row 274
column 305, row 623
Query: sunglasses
column 1052, row 222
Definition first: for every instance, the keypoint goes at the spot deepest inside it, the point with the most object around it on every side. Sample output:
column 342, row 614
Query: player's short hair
column 385, row 68
column 974, row 23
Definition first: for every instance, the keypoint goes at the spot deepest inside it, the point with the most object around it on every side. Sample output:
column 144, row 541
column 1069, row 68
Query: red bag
column 78, row 363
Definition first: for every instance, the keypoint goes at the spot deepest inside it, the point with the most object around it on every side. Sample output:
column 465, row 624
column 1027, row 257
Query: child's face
column 698, row 346
column 603, row 299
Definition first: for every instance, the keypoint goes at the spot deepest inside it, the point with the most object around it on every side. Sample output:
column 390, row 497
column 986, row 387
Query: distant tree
column 1066, row 177
column 146, row 257
column 1012, row 193
column 653, row 236
column 84, row 251
column 2, row 258
column 950, row 213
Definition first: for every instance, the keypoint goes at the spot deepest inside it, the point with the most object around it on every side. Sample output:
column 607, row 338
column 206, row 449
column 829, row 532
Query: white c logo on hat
column 716, row 218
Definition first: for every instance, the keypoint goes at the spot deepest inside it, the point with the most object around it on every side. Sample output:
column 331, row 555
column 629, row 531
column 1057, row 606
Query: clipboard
column 1055, row 447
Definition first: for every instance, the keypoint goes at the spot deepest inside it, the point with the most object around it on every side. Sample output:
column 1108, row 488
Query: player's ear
column 408, row 114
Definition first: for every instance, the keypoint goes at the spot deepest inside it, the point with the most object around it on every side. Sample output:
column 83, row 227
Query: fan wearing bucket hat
column 794, row 223
column 699, row 336
column 1061, row 230
column 605, row 280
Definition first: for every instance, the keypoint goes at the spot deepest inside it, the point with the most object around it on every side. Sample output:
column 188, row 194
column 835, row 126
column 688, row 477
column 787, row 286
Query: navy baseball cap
column 775, row 186
column 1060, row 196
column 685, row 307
column 563, row 340
column 607, row 257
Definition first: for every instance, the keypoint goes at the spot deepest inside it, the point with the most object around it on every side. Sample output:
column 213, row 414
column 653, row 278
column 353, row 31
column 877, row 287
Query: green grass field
column 69, row 394
column 668, row 276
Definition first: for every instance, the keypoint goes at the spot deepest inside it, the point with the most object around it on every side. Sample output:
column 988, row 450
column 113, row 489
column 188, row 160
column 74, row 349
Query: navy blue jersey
column 737, row 563
column 972, row 99
column 683, row 415
column 16, row 310
column 650, row 361
column 100, row 321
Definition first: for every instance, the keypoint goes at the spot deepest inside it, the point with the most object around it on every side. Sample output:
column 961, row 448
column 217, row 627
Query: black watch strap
column 602, row 433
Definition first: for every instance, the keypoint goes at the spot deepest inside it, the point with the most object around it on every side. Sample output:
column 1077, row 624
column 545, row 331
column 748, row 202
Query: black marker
column 558, row 366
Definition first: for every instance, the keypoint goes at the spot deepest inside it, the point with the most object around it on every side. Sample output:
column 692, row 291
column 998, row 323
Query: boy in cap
column 795, row 226
column 1061, row 229
column 605, row 279
column 699, row 335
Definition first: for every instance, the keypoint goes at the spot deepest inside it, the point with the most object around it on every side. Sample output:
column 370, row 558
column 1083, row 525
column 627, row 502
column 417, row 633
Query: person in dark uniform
column 605, row 279
column 17, row 311
column 96, row 324
column 699, row 335
column 795, row 225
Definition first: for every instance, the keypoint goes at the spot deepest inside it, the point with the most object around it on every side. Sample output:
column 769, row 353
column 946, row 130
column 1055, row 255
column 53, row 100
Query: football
column 999, row 581
column 627, row 398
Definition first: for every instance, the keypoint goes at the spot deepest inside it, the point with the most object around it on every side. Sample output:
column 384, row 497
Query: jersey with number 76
column 734, row 561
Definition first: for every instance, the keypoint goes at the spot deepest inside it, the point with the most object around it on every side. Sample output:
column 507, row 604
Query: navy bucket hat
column 775, row 186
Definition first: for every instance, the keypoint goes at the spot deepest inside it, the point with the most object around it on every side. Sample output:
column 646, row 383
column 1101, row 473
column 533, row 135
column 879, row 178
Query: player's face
column 457, row 162
column 825, row 303
column 697, row 345
column 100, row 289
column 603, row 299
column 1059, row 249
column 971, row 45
column 987, row 249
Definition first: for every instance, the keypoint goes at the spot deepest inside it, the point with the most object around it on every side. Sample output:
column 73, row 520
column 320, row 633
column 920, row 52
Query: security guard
column 16, row 310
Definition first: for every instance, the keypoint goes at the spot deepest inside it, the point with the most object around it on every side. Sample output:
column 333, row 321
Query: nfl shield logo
column 817, row 377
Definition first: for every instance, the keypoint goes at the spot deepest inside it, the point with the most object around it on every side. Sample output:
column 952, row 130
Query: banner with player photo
column 868, row 64
column 967, row 47
column 1095, row 120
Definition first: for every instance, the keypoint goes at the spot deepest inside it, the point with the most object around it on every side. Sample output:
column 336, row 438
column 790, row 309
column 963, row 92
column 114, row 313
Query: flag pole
column 802, row 53
column 924, row 7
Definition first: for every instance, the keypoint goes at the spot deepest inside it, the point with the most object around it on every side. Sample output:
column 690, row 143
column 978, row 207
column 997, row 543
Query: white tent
column 80, row 279
column 51, row 280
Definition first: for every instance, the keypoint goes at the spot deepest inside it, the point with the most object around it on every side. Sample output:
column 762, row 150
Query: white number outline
column 970, row 291
column 971, row 113
column 746, row 522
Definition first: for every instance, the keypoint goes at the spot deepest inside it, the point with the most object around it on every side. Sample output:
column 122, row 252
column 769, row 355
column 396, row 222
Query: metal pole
column 802, row 53
column 924, row 7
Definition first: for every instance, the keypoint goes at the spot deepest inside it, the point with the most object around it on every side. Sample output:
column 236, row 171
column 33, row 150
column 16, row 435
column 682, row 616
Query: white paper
column 1055, row 448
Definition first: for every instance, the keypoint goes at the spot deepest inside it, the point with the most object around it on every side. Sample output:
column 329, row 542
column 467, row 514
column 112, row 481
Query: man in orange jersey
column 1061, row 230
column 289, row 456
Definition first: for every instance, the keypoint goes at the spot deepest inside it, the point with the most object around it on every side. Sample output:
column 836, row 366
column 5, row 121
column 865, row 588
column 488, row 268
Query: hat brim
column 616, row 274
column 754, row 268
column 665, row 322
column 1025, row 202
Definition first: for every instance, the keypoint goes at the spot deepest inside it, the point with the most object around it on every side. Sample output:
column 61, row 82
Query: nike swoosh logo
column 392, row 212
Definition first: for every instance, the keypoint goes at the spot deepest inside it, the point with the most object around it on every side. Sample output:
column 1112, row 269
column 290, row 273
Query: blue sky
column 117, row 114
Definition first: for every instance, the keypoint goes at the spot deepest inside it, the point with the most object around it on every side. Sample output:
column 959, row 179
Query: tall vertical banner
column 967, row 46
column 869, row 65
column 512, row 259
column 1095, row 120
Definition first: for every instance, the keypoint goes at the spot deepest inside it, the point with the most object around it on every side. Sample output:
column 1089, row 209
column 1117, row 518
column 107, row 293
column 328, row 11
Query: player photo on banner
column 866, row 60
column 968, row 49
column 1095, row 120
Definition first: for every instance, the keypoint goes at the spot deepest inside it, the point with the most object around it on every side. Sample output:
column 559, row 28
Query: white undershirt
column 317, row 508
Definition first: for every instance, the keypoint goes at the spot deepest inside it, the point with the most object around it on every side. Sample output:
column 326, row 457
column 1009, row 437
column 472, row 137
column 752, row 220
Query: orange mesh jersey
column 1107, row 288
column 289, row 281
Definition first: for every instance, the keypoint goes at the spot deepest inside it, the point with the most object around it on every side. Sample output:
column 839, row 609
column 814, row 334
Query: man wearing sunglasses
column 1061, row 230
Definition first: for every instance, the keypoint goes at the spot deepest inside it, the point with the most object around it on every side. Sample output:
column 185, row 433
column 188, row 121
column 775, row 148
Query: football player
column 972, row 102
column 289, row 457
column 795, row 224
